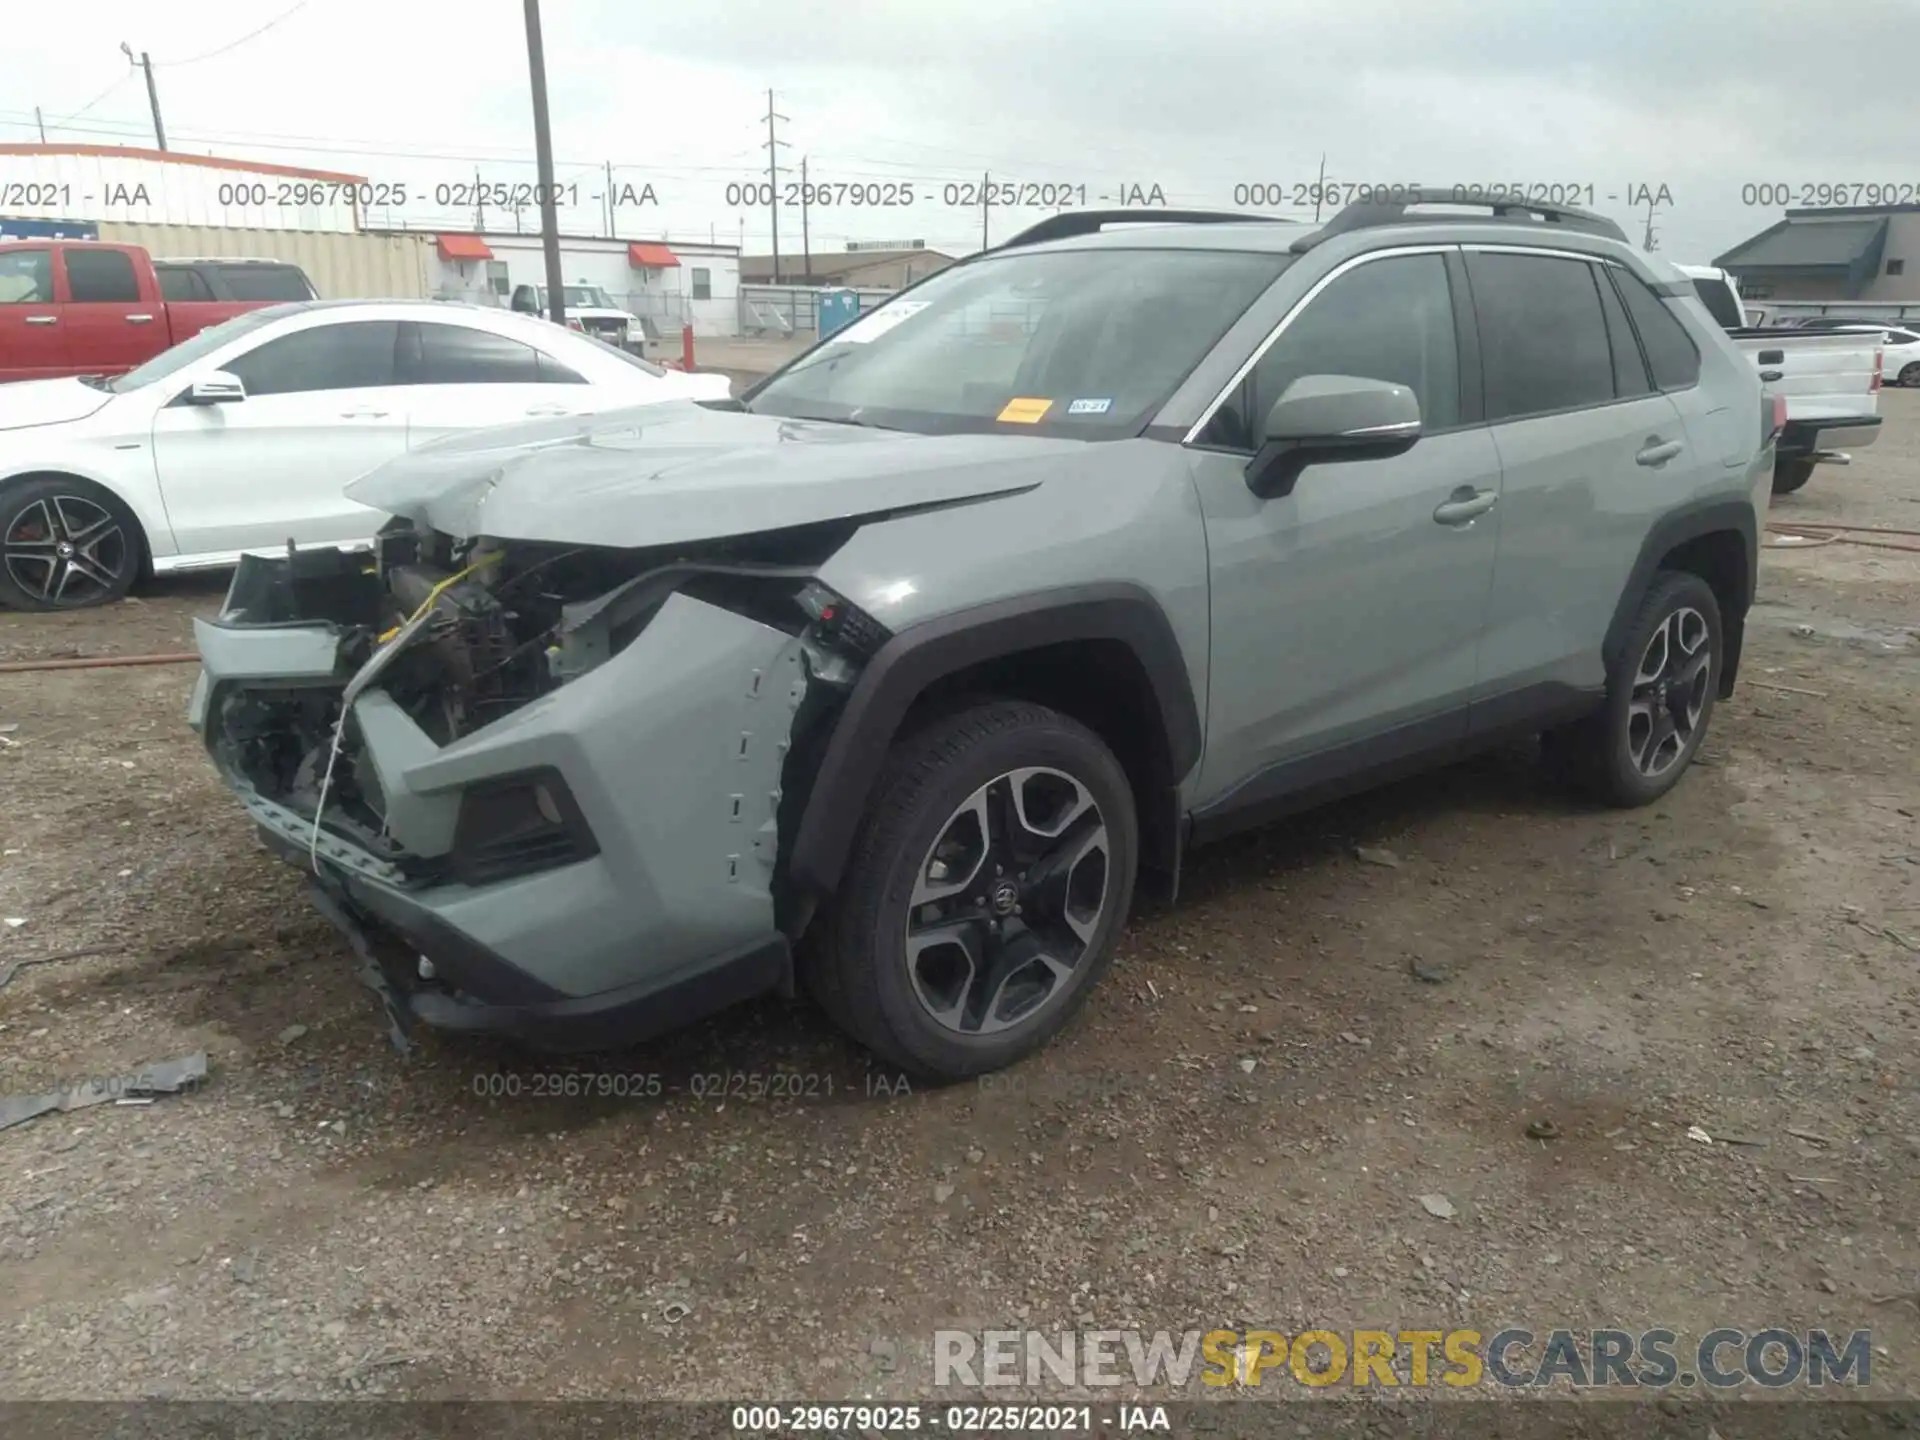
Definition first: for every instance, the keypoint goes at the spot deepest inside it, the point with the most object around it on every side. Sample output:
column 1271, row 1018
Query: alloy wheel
column 1669, row 692
column 1007, row 901
column 65, row 550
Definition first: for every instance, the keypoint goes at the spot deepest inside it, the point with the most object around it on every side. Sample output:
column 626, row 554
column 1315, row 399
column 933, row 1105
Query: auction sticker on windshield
column 880, row 321
column 1024, row 411
column 1089, row 407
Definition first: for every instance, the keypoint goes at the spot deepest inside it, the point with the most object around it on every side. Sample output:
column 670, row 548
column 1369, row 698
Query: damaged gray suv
column 896, row 678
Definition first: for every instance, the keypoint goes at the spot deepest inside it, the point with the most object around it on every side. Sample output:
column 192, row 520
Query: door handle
column 139, row 319
column 1658, row 451
column 43, row 319
column 1773, row 374
column 1466, row 504
column 548, row 410
column 362, row 414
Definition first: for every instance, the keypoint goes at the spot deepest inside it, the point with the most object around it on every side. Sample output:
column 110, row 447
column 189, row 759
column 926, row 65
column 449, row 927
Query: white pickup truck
column 1830, row 379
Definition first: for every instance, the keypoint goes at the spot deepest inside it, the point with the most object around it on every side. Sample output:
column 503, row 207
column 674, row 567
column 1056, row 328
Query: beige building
column 1868, row 254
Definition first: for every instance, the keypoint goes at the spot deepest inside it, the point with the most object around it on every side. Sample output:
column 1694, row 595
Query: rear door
column 33, row 338
column 1591, row 452
column 113, row 321
column 322, row 409
column 461, row 376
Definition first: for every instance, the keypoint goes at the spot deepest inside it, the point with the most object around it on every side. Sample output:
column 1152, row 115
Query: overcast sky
column 1703, row 97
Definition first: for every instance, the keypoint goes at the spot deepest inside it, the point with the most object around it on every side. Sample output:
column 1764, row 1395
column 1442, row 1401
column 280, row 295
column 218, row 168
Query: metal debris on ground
column 169, row 1077
column 1542, row 1130
column 1437, row 1206
column 1694, row 1132
column 13, row 967
column 1377, row 855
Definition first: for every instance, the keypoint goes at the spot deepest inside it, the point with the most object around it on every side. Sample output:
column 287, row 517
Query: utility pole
column 479, row 204
column 145, row 62
column 1320, row 190
column 611, row 231
column 1649, row 243
column 806, row 244
column 773, row 144
column 543, row 155
column 986, row 194
column 41, row 123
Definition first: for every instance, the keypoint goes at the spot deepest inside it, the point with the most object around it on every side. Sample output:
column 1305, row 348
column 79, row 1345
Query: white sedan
column 244, row 437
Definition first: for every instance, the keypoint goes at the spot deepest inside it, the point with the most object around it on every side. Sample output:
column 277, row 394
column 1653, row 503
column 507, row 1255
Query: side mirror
column 216, row 387
column 1328, row 418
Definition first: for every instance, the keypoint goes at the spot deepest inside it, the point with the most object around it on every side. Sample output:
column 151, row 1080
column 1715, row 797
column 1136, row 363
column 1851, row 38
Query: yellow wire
column 434, row 594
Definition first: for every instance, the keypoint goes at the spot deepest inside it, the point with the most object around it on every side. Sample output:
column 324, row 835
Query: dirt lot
column 1236, row 1132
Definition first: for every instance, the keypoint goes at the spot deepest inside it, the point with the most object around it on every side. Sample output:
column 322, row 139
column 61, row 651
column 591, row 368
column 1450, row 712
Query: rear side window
column 179, row 283
column 1383, row 320
column 1670, row 350
column 458, row 355
column 1543, row 336
column 351, row 355
column 26, row 277
column 101, row 277
column 1629, row 368
column 265, row 282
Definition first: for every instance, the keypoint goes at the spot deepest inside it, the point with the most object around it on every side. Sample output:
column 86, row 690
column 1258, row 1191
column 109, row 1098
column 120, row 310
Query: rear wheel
column 1910, row 375
column 985, row 893
column 1790, row 472
column 1660, row 694
column 65, row 544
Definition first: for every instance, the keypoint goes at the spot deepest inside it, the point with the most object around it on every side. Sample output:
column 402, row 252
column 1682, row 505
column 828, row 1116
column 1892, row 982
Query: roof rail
column 1505, row 210
column 1070, row 223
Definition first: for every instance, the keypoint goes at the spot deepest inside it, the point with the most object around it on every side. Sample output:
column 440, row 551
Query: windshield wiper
column 95, row 382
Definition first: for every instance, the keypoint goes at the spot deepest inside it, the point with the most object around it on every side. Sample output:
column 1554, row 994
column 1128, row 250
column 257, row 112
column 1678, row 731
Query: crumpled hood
column 48, row 402
column 676, row 471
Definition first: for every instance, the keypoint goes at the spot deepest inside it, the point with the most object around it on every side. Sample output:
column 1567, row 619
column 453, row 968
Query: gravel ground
column 1236, row 1132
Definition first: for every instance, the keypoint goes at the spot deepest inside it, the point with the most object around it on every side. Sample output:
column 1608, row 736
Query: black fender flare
column 917, row 657
column 1690, row 522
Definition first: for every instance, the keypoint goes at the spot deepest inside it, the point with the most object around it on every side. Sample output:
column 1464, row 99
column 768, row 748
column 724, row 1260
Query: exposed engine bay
column 461, row 634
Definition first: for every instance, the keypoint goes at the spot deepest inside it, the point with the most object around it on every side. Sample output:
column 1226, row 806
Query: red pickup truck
column 84, row 307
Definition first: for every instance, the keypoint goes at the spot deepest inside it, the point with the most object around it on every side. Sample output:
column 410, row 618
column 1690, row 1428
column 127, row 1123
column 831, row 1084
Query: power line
column 234, row 44
column 58, row 124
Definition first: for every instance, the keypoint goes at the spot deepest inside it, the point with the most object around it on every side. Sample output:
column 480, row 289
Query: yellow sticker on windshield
column 1025, row 412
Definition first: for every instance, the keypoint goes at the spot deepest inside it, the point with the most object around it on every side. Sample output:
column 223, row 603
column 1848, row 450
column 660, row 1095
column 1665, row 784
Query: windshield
column 189, row 350
column 1086, row 342
column 577, row 297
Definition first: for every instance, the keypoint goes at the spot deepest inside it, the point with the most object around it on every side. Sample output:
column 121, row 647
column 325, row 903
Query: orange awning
column 645, row 255
column 463, row 247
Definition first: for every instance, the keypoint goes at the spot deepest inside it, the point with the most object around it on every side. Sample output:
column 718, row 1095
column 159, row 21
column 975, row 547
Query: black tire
column 42, row 568
column 1790, row 472
column 1910, row 376
column 1598, row 754
column 857, row 964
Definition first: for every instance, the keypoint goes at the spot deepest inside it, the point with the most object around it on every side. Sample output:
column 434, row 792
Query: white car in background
column 1899, row 356
column 245, row 436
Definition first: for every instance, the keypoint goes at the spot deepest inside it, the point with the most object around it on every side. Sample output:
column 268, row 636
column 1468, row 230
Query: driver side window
column 1386, row 319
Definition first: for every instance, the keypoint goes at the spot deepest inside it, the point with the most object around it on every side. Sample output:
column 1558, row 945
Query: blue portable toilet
column 838, row 308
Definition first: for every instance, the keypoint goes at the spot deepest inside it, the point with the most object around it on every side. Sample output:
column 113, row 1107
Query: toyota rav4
column 895, row 678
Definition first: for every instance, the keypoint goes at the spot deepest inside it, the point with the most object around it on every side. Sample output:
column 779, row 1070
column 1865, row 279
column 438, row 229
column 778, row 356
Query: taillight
column 573, row 324
column 1879, row 362
column 1776, row 417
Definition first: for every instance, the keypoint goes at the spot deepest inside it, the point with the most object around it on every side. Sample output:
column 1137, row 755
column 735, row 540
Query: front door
column 33, row 339
column 322, row 409
column 1346, row 614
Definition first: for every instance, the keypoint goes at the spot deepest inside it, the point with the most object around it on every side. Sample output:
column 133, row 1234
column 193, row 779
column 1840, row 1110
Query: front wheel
column 1660, row 694
column 65, row 544
column 985, row 893
column 1790, row 472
